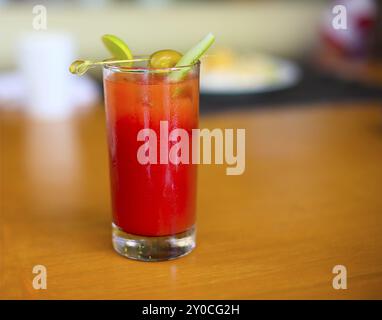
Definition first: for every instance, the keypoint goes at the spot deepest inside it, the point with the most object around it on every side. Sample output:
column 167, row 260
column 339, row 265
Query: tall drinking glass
column 153, row 202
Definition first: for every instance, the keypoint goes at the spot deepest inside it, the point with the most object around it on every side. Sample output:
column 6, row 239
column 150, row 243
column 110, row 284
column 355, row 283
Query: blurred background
column 266, row 53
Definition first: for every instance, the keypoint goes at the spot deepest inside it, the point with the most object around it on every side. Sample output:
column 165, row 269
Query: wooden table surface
column 310, row 199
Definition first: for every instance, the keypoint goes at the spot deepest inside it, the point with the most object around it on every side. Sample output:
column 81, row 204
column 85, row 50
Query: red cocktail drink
column 153, row 204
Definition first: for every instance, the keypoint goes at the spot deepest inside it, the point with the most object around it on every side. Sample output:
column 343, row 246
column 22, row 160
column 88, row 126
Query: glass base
column 153, row 248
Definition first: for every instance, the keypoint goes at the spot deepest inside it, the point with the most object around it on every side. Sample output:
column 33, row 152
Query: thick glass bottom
column 153, row 248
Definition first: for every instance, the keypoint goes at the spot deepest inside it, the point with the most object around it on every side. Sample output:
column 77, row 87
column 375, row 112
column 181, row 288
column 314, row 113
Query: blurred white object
column 43, row 60
column 228, row 73
column 82, row 92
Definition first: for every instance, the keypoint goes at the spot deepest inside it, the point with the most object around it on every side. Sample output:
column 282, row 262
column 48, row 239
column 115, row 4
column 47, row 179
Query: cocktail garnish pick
column 80, row 67
column 118, row 49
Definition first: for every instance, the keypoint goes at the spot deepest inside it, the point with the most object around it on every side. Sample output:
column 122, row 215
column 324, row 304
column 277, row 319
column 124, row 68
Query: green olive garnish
column 164, row 59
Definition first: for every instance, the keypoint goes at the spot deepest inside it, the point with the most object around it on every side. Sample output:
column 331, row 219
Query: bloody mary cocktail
column 152, row 110
column 153, row 204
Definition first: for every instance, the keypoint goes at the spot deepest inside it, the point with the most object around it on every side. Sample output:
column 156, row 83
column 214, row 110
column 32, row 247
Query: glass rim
column 116, row 68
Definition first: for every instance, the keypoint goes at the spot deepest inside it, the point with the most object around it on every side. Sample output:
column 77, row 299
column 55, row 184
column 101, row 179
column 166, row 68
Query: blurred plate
column 258, row 73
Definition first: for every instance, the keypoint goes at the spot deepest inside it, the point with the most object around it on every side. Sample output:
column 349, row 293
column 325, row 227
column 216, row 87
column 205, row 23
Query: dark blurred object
column 377, row 49
column 353, row 53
